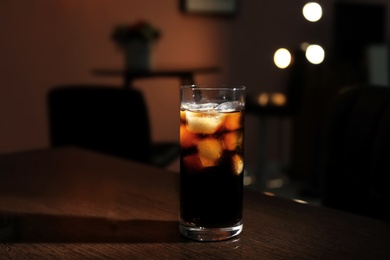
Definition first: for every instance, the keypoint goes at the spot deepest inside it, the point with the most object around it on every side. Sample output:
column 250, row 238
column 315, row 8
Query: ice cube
column 210, row 150
column 201, row 107
column 207, row 162
column 232, row 140
column 204, row 123
column 229, row 106
column 182, row 115
column 233, row 121
column 238, row 164
column 187, row 138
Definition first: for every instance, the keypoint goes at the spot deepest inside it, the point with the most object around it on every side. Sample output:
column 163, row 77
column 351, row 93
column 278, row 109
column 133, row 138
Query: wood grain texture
column 75, row 204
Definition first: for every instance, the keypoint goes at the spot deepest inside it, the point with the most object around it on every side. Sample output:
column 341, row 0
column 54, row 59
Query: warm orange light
column 263, row 99
column 278, row 99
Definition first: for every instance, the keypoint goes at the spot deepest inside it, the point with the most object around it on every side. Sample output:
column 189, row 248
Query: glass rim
column 213, row 87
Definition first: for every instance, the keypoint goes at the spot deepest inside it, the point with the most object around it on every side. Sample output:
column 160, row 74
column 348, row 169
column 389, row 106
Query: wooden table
column 75, row 204
column 186, row 75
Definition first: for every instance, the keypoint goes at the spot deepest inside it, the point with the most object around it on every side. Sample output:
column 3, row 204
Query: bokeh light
column 315, row 54
column 263, row 99
column 275, row 99
column 312, row 11
column 304, row 46
column 278, row 99
column 282, row 58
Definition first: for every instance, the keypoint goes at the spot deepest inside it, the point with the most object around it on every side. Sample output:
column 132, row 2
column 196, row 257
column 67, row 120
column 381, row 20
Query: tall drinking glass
column 211, row 161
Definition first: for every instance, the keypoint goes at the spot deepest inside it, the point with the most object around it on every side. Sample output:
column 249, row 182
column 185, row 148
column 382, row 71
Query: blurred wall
column 47, row 43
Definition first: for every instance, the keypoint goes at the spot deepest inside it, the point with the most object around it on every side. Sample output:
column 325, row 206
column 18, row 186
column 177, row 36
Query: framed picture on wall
column 216, row 7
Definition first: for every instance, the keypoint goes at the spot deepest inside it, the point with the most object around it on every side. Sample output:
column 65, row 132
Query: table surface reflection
column 74, row 203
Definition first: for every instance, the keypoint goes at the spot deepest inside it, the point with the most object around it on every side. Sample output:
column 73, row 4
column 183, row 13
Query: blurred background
column 49, row 43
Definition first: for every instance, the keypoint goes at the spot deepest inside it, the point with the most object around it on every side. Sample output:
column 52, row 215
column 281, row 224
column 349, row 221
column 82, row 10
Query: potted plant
column 136, row 41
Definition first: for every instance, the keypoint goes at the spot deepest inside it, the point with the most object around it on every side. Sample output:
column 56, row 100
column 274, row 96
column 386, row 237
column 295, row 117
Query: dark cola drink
column 211, row 169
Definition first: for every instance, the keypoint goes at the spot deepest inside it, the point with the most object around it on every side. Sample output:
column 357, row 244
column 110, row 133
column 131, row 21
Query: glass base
column 209, row 234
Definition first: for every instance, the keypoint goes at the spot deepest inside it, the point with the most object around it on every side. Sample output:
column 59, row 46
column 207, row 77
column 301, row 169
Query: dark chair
column 106, row 119
column 357, row 159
